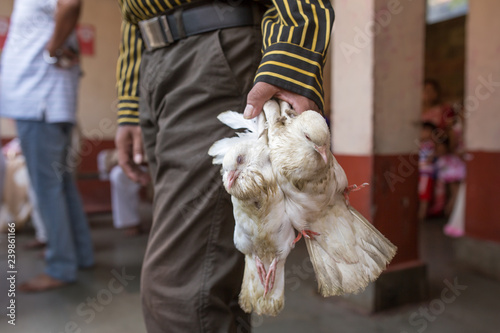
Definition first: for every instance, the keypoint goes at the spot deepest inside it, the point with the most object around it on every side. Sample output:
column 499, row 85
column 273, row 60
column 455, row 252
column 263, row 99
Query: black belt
column 166, row 29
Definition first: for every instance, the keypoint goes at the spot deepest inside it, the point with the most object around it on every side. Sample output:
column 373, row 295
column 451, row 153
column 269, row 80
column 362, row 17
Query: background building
column 381, row 52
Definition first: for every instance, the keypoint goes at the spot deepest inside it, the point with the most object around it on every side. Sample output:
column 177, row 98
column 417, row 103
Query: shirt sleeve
column 296, row 35
column 127, row 72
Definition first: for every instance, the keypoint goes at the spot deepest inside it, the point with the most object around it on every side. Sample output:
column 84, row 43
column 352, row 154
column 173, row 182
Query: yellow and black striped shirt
column 296, row 35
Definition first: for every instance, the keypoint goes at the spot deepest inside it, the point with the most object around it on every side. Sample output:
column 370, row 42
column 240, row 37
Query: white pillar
column 377, row 52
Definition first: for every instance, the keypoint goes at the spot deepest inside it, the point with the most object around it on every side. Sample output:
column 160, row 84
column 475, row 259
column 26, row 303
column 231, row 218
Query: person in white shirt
column 40, row 76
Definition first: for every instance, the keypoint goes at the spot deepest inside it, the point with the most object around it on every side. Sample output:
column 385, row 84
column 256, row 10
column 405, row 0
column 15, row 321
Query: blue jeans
column 46, row 149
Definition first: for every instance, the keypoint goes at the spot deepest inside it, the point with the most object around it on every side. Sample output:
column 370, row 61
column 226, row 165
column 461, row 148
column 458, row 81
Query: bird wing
column 235, row 120
column 253, row 129
column 245, row 227
column 339, row 175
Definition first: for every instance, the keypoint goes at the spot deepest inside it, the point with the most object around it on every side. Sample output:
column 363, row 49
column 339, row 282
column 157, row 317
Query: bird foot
column 352, row 188
column 271, row 275
column 261, row 269
column 309, row 234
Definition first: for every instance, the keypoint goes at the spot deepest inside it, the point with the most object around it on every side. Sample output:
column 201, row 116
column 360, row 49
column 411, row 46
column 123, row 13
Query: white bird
column 346, row 251
column 262, row 231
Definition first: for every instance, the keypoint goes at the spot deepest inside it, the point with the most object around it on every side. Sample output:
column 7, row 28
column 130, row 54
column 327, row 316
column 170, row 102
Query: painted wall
column 369, row 87
column 482, row 114
column 352, row 88
column 96, row 107
column 399, row 47
column 482, row 98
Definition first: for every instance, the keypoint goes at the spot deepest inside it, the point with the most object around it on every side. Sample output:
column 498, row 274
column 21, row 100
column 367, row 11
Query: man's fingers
column 127, row 165
column 257, row 97
column 262, row 92
column 299, row 103
column 137, row 149
column 142, row 176
column 129, row 144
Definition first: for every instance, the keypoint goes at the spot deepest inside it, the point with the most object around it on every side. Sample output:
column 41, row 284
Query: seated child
column 426, row 168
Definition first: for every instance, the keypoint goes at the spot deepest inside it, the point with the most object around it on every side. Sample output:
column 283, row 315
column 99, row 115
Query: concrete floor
column 475, row 310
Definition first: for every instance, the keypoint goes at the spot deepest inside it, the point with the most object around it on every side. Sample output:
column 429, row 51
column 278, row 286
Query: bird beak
column 322, row 151
column 231, row 178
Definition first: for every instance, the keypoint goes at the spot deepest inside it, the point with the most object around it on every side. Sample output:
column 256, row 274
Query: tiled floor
column 93, row 305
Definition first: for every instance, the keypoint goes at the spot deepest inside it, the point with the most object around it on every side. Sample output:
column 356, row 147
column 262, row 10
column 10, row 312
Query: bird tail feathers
column 349, row 255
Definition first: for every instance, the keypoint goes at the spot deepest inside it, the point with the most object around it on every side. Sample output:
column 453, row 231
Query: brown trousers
column 192, row 272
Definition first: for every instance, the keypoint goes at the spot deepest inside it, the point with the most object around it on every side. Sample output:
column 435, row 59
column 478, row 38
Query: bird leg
column 352, row 188
column 309, row 234
column 271, row 275
column 295, row 241
column 261, row 269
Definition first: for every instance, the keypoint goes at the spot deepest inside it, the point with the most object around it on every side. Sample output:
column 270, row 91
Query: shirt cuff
column 293, row 68
column 128, row 110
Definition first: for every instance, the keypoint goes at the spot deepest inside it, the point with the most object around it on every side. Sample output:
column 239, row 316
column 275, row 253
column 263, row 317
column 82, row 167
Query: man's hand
column 68, row 58
column 128, row 142
column 262, row 92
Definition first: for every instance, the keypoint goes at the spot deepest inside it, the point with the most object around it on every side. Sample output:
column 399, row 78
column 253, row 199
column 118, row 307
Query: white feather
column 219, row 149
column 253, row 128
column 235, row 120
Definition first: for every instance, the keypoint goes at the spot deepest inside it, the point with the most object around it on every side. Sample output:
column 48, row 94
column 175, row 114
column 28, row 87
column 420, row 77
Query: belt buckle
column 156, row 32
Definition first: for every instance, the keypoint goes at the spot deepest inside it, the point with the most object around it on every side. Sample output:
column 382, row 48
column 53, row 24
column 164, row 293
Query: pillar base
column 479, row 255
column 398, row 285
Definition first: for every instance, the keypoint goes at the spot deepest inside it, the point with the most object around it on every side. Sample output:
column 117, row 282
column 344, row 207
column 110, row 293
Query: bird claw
column 271, row 275
column 352, row 188
column 261, row 269
column 309, row 234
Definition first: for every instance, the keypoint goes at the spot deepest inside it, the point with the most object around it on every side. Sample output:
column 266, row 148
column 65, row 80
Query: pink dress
column 450, row 168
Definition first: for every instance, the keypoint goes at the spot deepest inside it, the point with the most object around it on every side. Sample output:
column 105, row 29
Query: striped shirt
column 296, row 35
